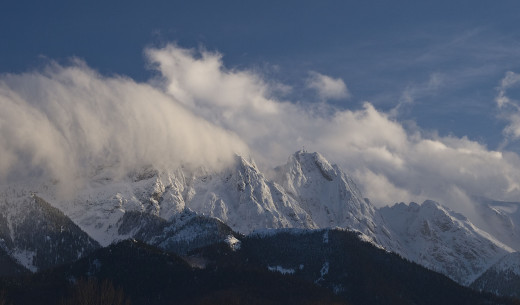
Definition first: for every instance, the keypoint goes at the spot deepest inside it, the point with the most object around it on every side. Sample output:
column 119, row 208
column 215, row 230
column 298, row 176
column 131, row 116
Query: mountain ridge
column 306, row 192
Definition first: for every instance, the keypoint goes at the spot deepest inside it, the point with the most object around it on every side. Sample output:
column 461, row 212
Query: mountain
column 240, row 196
column 501, row 219
column 442, row 240
column 37, row 235
column 330, row 197
column 181, row 234
column 9, row 266
column 233, row 195
column 285, row 266
column 245, row 199
column 503, row 278
column 186, row 208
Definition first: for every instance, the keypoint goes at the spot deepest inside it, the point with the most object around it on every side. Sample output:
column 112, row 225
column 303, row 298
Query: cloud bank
column 389, row 162
column 64, row 121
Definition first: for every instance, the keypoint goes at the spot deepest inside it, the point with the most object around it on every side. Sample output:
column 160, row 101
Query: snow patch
column 326, row 237
column 233, row 242
column 25, row 258
column 324, row 271
column 281, row 269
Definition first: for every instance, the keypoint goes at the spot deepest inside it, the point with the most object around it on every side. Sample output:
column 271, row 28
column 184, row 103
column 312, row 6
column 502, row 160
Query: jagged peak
column 427, row 209
column 303, row 156
column 246, row 162
column 402, row 206
column 431, row 204
column 434, row 205
column 310, row 162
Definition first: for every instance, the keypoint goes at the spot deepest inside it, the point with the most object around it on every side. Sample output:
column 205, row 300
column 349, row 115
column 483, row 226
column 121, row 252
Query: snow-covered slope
column 442, row 240
column 99, row 207
column 240, row 196
column 37, row 235
column 184, row 232
column 245, row 199
column 501, row 219
column 502, row 278
column 330, row 197
column 320, row 195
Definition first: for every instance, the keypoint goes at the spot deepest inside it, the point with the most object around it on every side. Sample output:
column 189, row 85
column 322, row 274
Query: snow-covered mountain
column 245, row 199
column 502, row 278
column 37, row 235
column 184, row 232
column 501, row 219
column 330, row 197
column 183, row 208
column 442, row 240
column 307, row 193
column 240, row 196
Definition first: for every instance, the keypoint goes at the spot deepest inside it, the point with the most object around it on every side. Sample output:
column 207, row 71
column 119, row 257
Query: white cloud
column 510, row 109
column 327, row 87
column 65, row 120
column 510, row 80
column 390, row 162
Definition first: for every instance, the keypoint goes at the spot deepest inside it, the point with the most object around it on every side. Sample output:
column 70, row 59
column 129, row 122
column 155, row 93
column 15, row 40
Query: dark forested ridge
column 148, row 275
column 319, row 267
column 355, row 270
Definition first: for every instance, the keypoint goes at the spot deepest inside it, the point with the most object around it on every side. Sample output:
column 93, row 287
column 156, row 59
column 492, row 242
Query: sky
column 415, row 100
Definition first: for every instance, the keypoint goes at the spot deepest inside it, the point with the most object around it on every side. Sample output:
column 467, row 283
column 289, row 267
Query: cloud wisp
column 327, row 87
column 64, row 121
column 509, row 108
column 412, row 92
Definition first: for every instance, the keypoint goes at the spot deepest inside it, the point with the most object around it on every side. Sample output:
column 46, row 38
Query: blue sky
column 439, row 77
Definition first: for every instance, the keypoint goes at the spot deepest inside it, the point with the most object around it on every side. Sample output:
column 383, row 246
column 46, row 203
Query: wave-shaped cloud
column 66, row 122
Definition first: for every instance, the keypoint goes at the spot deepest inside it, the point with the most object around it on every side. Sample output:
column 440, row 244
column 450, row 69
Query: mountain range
column 182, row 210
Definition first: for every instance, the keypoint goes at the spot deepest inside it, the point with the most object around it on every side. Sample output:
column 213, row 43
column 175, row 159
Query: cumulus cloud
column 327, row 87
column 66, row 122
column 389, row 162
